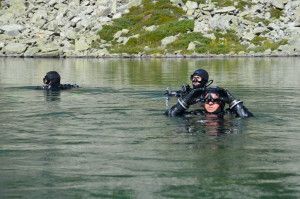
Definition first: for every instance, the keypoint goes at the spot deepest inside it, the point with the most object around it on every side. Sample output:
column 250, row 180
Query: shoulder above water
column 57, row 88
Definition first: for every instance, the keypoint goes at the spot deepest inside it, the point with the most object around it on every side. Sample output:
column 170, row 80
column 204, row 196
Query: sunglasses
column 214, row 101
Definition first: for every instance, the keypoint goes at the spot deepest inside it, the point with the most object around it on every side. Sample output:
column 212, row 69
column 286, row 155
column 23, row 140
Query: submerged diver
column 213, row 100
column 52, row 82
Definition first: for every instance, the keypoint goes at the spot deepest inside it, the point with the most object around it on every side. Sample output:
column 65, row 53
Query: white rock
column 191, row 46
column 12, row 29
column 150, row 28
column 14, row 48
column 168, row 40
column 225, row 9
column 201, row 26
column 81, row 44
column 191, row 5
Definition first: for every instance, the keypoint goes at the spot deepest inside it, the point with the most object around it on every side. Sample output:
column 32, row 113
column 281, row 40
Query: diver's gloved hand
column 230, row 99
column 188, row 100
column 185, row 89
column 240, row 110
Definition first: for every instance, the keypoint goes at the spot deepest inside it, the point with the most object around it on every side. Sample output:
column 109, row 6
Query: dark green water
column 110, row 139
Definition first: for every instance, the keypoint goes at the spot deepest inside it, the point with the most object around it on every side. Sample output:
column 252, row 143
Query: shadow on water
column 52, row 95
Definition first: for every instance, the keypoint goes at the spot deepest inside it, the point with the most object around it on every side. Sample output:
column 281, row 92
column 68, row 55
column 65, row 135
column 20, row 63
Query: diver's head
column 52, row 78
column 213, row 100
column 199, row 78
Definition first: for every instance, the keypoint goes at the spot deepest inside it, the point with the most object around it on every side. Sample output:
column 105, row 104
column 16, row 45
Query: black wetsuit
column 59, row 87
column 239, row 110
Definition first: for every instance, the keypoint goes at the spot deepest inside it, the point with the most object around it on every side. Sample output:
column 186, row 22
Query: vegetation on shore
column 169, row 20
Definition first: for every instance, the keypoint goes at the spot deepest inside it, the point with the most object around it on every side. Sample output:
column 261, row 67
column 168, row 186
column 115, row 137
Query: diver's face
column 196, row 81
column 212, row 104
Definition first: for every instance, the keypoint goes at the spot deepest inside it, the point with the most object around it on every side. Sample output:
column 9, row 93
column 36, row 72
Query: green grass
column 223, row 44
column 181, row 44
column 257, row 20
column 149, row 14
column 276, row 13
column 264, row 43
column 165, row 16
column 243, row 4
column 153, row 39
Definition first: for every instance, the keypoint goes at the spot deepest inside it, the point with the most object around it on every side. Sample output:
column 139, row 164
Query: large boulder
column 14, row 48
column 12, row 29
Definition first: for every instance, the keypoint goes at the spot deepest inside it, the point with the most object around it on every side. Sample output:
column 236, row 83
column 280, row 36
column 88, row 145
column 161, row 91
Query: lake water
column 110, row 139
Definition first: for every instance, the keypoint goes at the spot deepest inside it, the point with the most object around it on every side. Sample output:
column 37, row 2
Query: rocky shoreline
column 68, row 28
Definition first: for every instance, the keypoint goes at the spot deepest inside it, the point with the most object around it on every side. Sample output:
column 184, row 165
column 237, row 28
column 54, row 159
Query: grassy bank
column 169, row 20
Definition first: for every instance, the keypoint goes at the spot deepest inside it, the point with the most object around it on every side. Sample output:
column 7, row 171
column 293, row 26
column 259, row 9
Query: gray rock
column 297, row 17
column 75, row 20
column 113, row 6
column 278, row 3
column 50, row 47
column 190, row 13
column 56, row 53
column 191, row 46
column 207, row 7
column 221, row 22
column 81, row 44
column 150, row 28
column 168, row 40
column 177, row 2
column 31, row 52
column 12, row 29
column 52, row 26
column 210, row 36
column 2, row 44
column 15, row 48
column 268, row 51
column 259, row 30
column 101, row 11
column 225, row 10
column 117, row 15
column 134, row 3
column 297, row 22
column 122, row 40
column 191, row 5
column 201, row 26
column 295, row 43
column 248, row 36
column 121, row 32
column 273, row 26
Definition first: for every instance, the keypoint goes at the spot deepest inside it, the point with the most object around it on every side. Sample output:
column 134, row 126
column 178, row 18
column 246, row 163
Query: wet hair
column 52, row 77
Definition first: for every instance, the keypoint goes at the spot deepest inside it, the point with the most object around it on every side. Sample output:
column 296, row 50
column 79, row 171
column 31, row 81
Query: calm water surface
column 110, row 139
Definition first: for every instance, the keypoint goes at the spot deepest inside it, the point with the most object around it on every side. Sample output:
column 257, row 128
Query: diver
column 212, row 100
column 200, row 80
column 52, row 82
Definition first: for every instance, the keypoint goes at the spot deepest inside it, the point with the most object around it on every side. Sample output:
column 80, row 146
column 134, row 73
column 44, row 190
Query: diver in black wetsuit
column 52, row 82
column 200, row 80
column 213, row 100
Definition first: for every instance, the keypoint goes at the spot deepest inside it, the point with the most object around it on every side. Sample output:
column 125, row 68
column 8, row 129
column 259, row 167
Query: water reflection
column 239, row 72
column 52, row 95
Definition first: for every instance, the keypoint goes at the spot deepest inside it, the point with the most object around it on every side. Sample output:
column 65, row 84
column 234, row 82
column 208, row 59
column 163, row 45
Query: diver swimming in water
column 52, row 82
column 212, row 100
